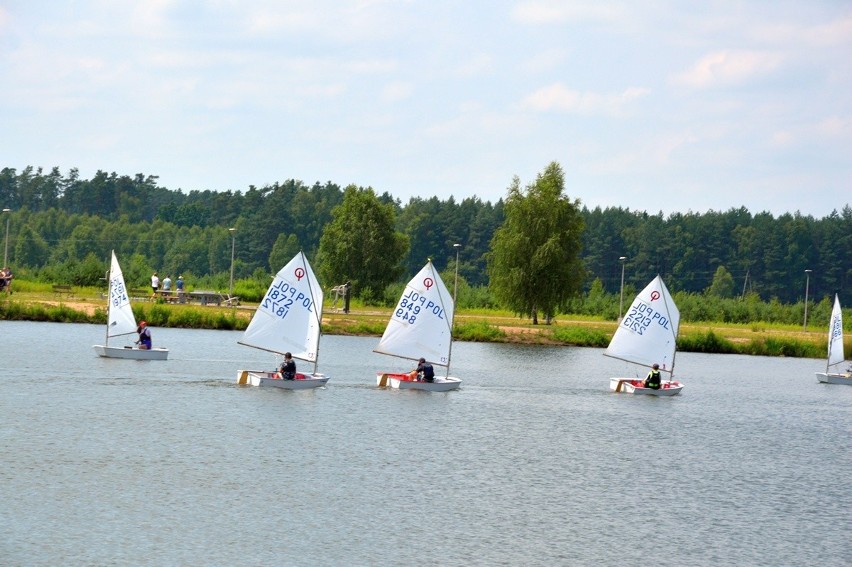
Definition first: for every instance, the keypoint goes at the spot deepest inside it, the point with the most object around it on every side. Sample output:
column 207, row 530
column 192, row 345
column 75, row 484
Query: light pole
column 807, row 284
column 6, row 245
column 233, row 239
column 456, row 286
column 621, row 301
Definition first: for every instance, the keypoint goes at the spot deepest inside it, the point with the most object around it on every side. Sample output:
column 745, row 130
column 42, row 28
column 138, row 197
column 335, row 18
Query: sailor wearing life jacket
column 653, row 379
column 144, row 336
column 425, row 372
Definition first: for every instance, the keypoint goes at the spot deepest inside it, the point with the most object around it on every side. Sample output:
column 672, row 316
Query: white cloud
column 455, row 90
column 335, row 21
column 728, row 68
column 833, row 32
column 151, row 17
column 475, row 66
column 560, row 12
column 666, row 147
column 836, row 32
column 371, row 66
column 271, row 21
column 397, row 91
column 835, row 127
column 781, row 139
column 546, row 61
column 558, row 97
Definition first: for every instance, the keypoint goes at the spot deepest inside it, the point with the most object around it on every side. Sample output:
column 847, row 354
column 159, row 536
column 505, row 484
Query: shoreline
column 710, row 337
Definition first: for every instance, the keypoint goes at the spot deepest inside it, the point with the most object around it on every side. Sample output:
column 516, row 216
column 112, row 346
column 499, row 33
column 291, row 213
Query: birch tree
column 534, row 265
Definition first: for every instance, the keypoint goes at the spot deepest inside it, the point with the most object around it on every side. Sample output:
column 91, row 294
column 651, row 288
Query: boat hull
column 834, row 378
column 132, row 353
column 269, row 379
column 634, row 386
column 405, row 382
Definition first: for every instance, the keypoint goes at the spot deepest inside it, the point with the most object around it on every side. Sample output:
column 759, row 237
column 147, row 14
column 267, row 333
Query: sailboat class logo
column 300, row 273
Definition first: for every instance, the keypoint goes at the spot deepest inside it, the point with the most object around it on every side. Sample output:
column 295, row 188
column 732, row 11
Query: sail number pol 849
column 412, row 304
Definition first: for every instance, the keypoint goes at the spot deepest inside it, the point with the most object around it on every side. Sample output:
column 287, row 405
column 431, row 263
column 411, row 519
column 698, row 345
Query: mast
column 676, row 331
column 109, row 297
column 453, row 319
column 319, row 310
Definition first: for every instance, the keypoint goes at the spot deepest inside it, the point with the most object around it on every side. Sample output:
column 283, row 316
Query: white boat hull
column 405, row 382
column 270, row 379
column 132, row 353
column 834, row 378
column 634, row 386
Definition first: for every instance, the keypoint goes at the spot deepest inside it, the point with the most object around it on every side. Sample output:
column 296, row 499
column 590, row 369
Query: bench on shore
column 63, row 289
column 205, row 297
column 139, row 294
column 171, row 296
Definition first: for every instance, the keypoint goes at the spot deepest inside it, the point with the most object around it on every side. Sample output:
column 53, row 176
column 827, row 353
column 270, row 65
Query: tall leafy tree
column 477, row 243
column 285, row 247
column 723, row 283
column 360, row 245
column 535, row 263
column 9, row 193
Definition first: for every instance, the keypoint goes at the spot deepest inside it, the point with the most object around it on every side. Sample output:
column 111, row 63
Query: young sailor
column 424, row 371
column 144, row 341
column 653, row 379
column 287, row 370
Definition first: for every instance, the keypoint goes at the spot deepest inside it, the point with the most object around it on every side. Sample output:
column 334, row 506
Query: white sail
column 421, row 323
column 290, row 314
column 120, row 319
column 648, row 332
column 835, row 335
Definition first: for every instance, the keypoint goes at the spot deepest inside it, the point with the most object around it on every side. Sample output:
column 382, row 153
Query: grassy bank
column 479, row 326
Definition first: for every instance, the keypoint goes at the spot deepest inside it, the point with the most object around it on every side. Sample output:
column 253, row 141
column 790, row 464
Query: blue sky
column 659, row 105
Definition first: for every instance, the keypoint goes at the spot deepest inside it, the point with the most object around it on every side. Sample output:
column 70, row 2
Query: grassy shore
column 88, row 306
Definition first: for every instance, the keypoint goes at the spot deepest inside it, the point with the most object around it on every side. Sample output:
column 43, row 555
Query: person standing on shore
column 6, row 276
column 155, row 285
column 179, row 286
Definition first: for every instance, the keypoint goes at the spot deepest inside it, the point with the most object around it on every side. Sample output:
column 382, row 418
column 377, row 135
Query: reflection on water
column 532, row 462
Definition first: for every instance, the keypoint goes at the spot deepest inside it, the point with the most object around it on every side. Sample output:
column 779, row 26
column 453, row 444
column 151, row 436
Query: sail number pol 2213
column 641, row 316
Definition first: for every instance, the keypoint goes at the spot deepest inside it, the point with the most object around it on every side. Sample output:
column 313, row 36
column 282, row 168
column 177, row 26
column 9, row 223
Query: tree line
column 62, row 227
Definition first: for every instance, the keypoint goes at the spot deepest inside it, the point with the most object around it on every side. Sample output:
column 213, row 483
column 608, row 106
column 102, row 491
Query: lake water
column 532, row 462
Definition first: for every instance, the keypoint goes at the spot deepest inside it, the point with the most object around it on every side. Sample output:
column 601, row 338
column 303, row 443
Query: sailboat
column 121, row 321
column 288, row 319
column 835, row 350
column 421, row 327
column 646, row 336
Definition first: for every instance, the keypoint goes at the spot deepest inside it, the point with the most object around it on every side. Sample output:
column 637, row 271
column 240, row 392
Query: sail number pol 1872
column 282, row 297
column 641, row 316
column 413, row 304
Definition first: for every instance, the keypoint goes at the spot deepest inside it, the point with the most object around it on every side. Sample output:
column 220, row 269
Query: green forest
column 61, row 228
